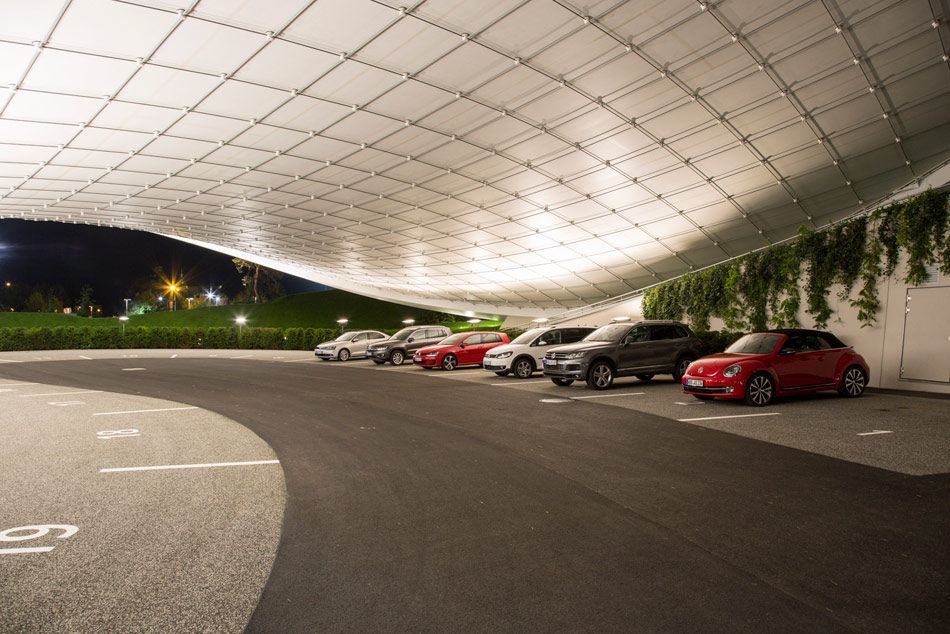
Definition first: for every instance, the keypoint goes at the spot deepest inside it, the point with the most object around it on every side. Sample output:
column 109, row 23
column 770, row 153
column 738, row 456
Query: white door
column 926, row 353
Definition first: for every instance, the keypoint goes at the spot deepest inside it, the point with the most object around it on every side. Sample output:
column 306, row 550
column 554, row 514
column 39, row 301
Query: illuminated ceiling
column 510, row 156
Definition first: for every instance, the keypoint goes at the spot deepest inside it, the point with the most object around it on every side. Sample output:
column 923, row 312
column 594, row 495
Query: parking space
column 903, row 433
column 118, row 514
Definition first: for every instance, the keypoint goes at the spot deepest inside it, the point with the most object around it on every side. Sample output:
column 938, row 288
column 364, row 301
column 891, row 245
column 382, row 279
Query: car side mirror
column 627, row 341
column 784, row 352
column 410, row 339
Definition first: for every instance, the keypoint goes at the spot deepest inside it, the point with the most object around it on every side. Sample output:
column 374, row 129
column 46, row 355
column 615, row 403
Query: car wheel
column 853, row 382
column 449, row 362
column 397, row 357
column 562, row 382
column 344, row 355
column 681, row 366
column 644, row 377
column 704, row 397
column 760, row 390
column 502, row 373
column 378, row 361
column 524, row 368
column 601, row 376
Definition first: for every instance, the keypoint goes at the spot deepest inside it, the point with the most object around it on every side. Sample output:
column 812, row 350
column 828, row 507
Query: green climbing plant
column 763, row 288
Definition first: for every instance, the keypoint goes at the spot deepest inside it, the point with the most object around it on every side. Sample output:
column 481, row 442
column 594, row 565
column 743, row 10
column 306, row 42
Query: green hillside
column 307, row 310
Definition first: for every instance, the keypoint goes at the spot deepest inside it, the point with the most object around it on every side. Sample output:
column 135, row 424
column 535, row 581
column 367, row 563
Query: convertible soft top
column 833, row 341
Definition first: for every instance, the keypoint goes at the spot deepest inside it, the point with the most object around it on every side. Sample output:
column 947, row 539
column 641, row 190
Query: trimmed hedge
column 71, row 338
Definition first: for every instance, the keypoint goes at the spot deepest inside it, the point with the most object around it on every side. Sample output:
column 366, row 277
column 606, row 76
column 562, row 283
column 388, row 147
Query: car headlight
column 732, row 371
column 430, row 354
column 574, row 355
column 503, row 355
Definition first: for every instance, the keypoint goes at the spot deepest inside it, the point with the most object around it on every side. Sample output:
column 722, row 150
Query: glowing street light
column 540, row 320
column 342, row 323
column 620, row 319
column 123, row 319
column 240, row 322
column 172, row 290
column 474, row 322
column 408, row 322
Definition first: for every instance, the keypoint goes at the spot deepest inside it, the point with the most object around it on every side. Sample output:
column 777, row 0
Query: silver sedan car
column 348, row 345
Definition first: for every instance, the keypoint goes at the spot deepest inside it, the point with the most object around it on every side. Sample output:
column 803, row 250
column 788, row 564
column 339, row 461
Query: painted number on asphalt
column 117, row 433
column 34, row 532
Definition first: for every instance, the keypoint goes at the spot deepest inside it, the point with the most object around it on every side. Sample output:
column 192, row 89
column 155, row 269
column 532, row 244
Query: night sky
column 110, row 261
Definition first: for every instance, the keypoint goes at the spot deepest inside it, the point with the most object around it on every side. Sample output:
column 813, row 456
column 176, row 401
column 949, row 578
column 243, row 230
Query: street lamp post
column 240, row 322
column 123, row 319
column 127, row 300
column 474, row 323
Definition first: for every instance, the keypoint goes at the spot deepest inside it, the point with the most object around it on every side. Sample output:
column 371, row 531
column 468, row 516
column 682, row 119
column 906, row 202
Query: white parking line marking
column 15, row 384
column 6, row 389
column 243, row 356
column 173, row 356
column 190, row 466
column 687, row 420
column 142, row 411
column 62, row 393
column 298, row 360
column 15, row 551
column 66, row 403
column 875, row 432
column 132, row 369
column 577, row 398
column 520, row 382
column 9, row 361
column 693, row 403
column 86, row 358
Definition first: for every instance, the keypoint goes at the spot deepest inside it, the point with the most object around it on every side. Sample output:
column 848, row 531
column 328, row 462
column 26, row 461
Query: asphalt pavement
column 419, row 503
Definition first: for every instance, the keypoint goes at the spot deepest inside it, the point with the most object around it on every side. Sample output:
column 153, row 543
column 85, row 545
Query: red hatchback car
column 464, row 348
column 763, row 365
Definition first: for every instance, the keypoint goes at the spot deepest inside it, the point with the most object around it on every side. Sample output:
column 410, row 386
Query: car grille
column 557, row 355
column 708, row 390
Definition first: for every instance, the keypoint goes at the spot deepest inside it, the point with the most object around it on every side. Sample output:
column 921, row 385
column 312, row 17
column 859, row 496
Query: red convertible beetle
column 760, row 366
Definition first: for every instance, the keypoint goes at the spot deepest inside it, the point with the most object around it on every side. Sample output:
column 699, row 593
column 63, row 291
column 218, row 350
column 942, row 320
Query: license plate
column 694, row 382
column 416, row 359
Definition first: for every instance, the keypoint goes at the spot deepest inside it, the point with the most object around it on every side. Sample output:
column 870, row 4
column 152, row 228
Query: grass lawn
column 307, row 310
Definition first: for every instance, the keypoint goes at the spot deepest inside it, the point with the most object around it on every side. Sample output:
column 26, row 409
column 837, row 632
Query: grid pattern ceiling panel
column 506, row 156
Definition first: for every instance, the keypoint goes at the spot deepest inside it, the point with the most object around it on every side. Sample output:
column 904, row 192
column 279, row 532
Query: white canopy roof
column 502, row 156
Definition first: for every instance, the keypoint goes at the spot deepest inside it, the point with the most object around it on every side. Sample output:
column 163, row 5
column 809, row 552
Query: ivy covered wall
column 763, row 289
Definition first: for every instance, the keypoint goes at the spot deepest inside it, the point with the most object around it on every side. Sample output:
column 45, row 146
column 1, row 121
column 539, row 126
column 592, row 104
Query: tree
column 86, row 308
column 260, row 283
column 45, row 299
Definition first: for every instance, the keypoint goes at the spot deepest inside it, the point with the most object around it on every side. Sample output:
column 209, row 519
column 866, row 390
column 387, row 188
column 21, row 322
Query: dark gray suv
column 640, row 349
column 402, row 344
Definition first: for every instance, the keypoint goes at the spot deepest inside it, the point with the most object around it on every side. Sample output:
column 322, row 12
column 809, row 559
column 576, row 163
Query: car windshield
column 759, row 343
column 453, row 339
column 403, row 334
column 528, row 335
column 346, row 336
column 610, row 332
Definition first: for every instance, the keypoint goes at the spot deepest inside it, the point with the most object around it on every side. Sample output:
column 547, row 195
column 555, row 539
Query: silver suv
column 405, row 342
column 640, row 349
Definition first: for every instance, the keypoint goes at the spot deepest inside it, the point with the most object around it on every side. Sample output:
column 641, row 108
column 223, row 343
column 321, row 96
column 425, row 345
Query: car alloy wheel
column 449, row 362
column 397, row 357
column 524, row 368
column 759, row 390
column 344, row 354
column 601, row 376
column 681, row 366
column 562, row 382
column 853, row 382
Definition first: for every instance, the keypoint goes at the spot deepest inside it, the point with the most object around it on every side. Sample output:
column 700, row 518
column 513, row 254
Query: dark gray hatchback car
column 642, row 349
column 401, row 345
